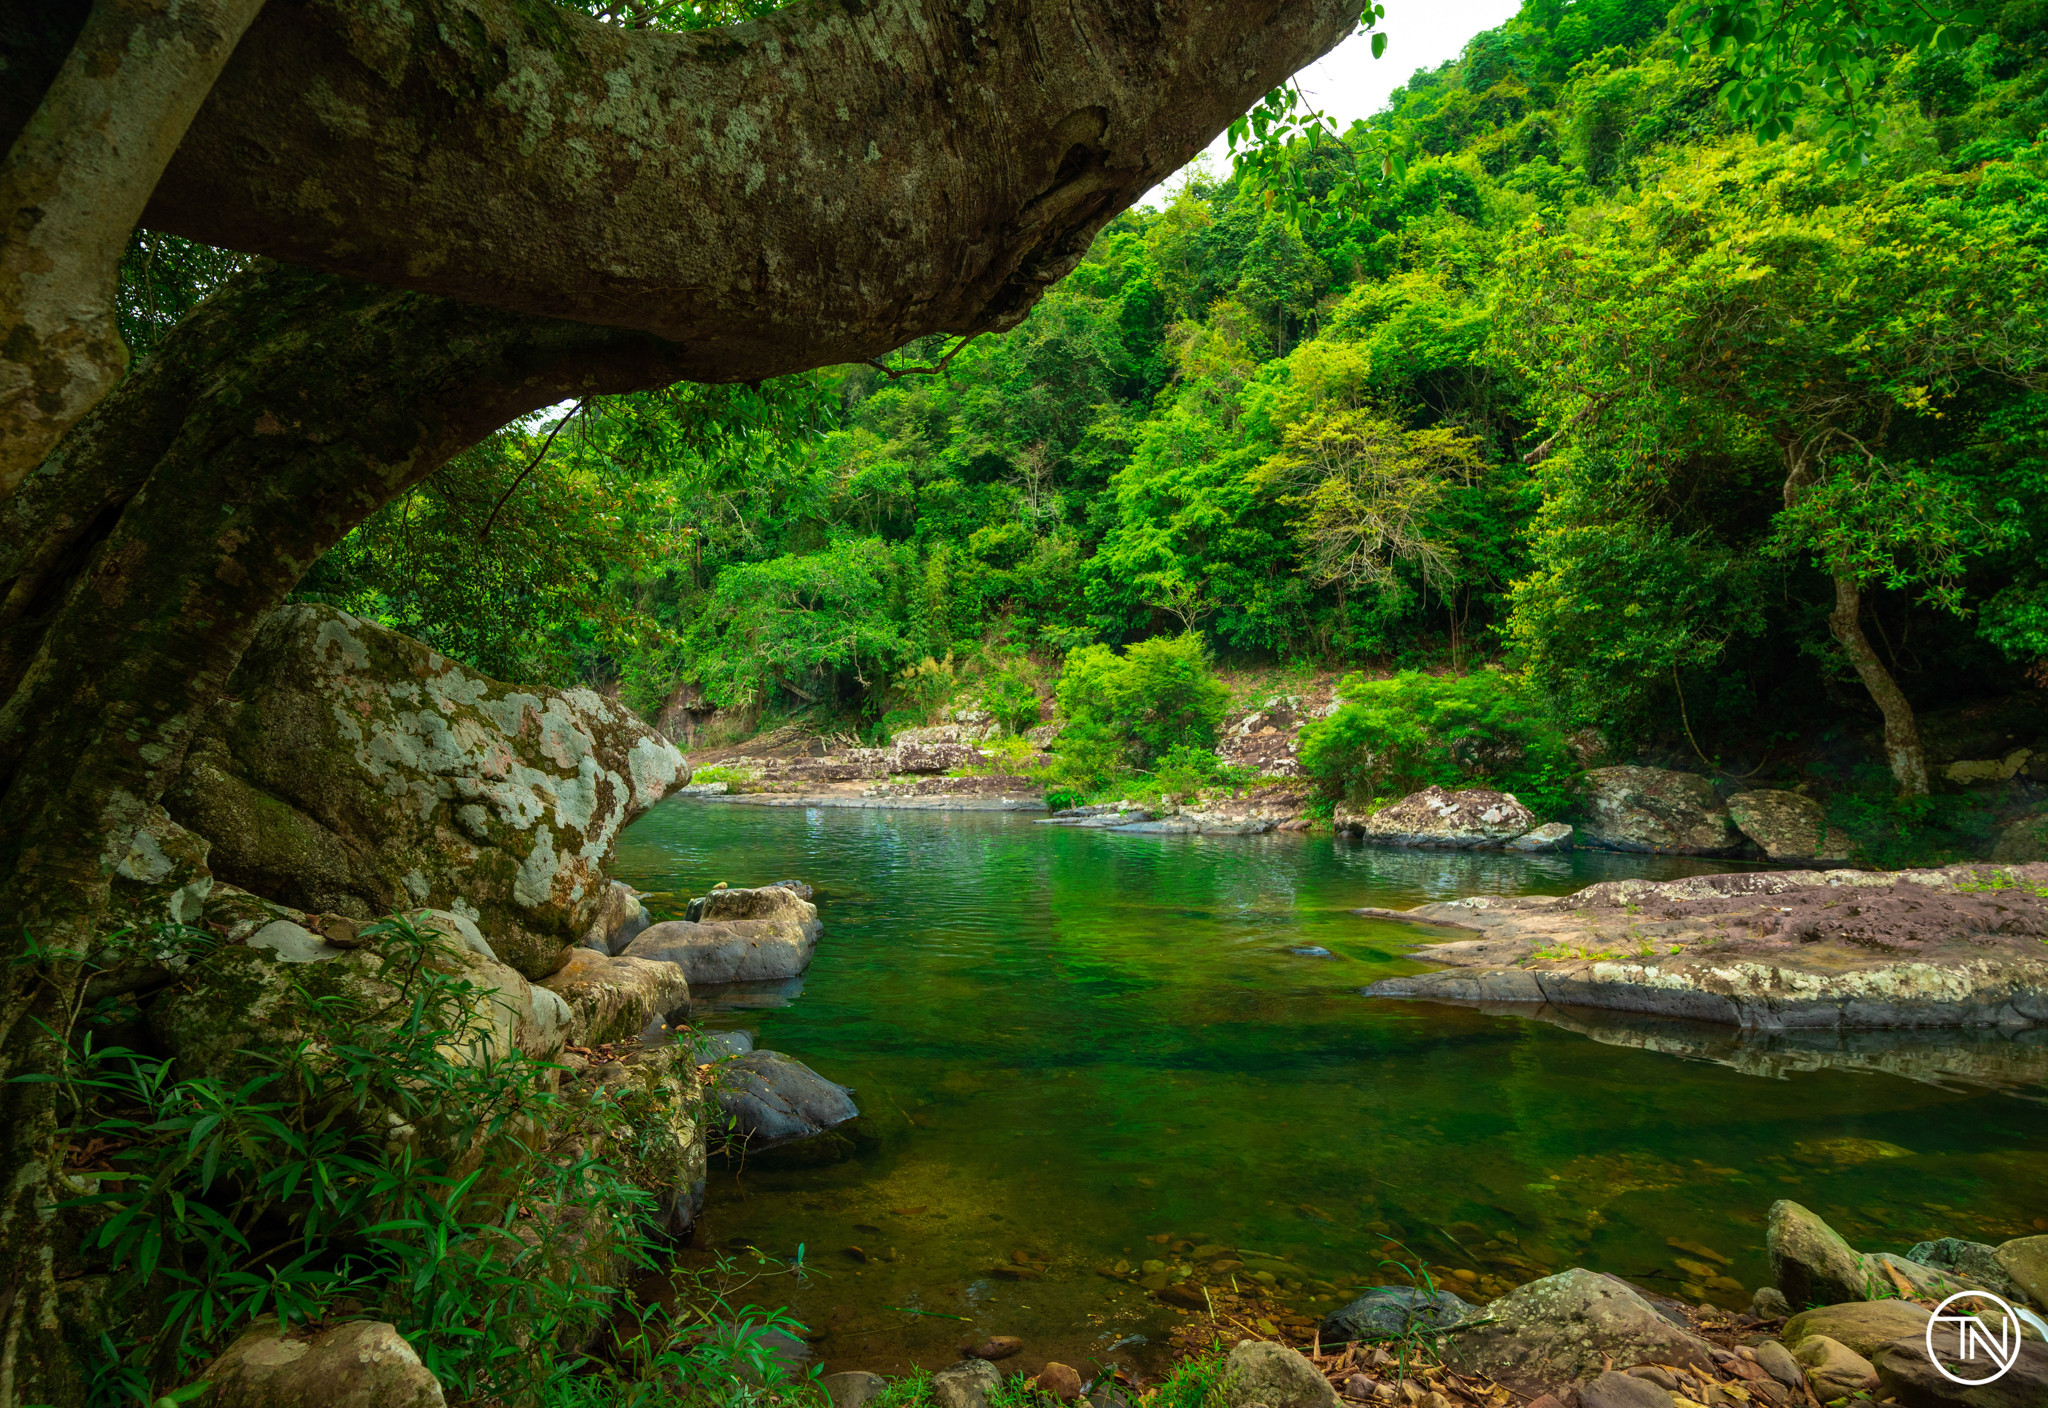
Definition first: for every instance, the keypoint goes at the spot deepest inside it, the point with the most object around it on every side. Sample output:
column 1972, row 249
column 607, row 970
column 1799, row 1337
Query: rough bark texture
column 135, row 565
column 1901, row 730
column 816, row 187
column 71, row 189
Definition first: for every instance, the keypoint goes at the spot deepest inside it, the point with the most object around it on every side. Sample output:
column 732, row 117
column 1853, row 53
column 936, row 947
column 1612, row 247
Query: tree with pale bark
column 464, row 212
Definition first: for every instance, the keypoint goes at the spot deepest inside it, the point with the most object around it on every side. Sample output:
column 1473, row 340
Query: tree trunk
column 1901, row 731
column 72, row 186
column 135, row 565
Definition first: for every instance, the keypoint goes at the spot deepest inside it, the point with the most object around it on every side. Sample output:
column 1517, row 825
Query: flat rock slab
column 1956, row 947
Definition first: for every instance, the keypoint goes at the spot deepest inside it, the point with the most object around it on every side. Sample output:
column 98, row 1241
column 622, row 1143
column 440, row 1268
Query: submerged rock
column 1788, row 825
column 352, row 769
column 773, row 1099
column 357, row 1364
column 1569, row 1327
column 1655, row 809
column 1460, row 820
column 852, row 1388
column 1389, row 1312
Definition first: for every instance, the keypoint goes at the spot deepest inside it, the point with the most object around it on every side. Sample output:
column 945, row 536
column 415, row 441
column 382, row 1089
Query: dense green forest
column 1589, row 382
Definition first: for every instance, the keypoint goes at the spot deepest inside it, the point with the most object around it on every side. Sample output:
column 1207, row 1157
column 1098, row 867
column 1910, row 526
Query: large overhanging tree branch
column 816, row 187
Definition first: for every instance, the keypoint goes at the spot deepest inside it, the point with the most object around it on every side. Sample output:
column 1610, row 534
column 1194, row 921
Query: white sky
column 1351, row 83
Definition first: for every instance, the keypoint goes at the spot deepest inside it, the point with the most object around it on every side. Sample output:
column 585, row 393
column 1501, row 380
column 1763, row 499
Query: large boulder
column 1460, row 820
column 1262, row 1372
column 1811, row 1263
column 617, row 999
column 1568, row 1327
column 737, row 936
column 771, row 1100
column 351, row 769
column 1654, row 809
column 356, row 1364
column 1788, row 825
column 1390, row 1312
column 1551, row 836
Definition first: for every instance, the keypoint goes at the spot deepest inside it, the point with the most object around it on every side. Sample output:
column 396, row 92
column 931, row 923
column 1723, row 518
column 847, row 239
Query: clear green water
column 1067, row 1042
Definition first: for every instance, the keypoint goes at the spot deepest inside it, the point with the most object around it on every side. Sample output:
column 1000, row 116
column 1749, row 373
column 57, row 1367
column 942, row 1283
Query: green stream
column 1067, row 1042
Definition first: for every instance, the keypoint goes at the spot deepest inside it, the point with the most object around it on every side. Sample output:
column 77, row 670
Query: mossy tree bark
column 135, row 565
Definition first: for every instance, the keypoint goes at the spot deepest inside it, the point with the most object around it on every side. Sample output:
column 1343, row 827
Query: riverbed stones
column 1777, row 1361
column 1262, row 1372
column 1769, row 1303
column 357, row 1364
column 1616, row 1390
column 965, row 1385
column 1788, row 825
column 1061, row 1382
column 1389, row 1312
column 1475, row 817
column 353, row 770
column 1833, row 1369
column 1656, row 810
column 852, row 1388
column 1551, row 836
column 1568, row 1327
column 1861, row 1325
column 1809, row 1260
column 2025, row 1263
column 616, row 999
column 773, row 1099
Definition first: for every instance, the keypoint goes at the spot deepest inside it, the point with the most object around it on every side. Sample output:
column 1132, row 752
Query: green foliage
column 388, row 1159
column 1391, row 737
column 1011, row 698
column 1158, row 695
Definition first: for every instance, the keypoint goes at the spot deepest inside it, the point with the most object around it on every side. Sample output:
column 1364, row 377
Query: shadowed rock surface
column 1655, row 809
column 773, row 1100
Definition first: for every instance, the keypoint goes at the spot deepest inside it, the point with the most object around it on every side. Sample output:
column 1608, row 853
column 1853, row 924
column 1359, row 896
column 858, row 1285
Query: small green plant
column 1010, row 697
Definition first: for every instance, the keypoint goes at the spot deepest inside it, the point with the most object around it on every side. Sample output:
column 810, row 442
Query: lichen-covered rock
column 1389, row 1312
column 1655, row 809
column 164, row 878
column 357, row 1364
column 771, row 1099
column 242, row 1000
column 352, row 769
column 1262, row 1372
column 616, row 999
column 1788, row 825
column 1459, row 820
column 1976, row 1261
column 1551, row 836
column 662, row 1094
column 933, row 757
column 1568, row 1327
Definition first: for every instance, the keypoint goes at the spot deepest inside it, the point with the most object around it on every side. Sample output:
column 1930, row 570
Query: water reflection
column 1069, row 1042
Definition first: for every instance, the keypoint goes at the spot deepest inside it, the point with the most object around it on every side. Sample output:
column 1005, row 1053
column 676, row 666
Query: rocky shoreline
column 1775, row 951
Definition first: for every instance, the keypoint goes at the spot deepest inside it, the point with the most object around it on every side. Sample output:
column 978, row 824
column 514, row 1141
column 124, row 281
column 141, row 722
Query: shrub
column 1010, row 697
column 1158, row 695
column 1391, row 737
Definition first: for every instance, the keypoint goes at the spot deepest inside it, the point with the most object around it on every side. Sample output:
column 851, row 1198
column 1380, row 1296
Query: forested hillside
column 1706, row 434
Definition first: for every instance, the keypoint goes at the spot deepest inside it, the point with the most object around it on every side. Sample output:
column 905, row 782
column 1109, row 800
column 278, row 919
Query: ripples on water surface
column 1067, row 1042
